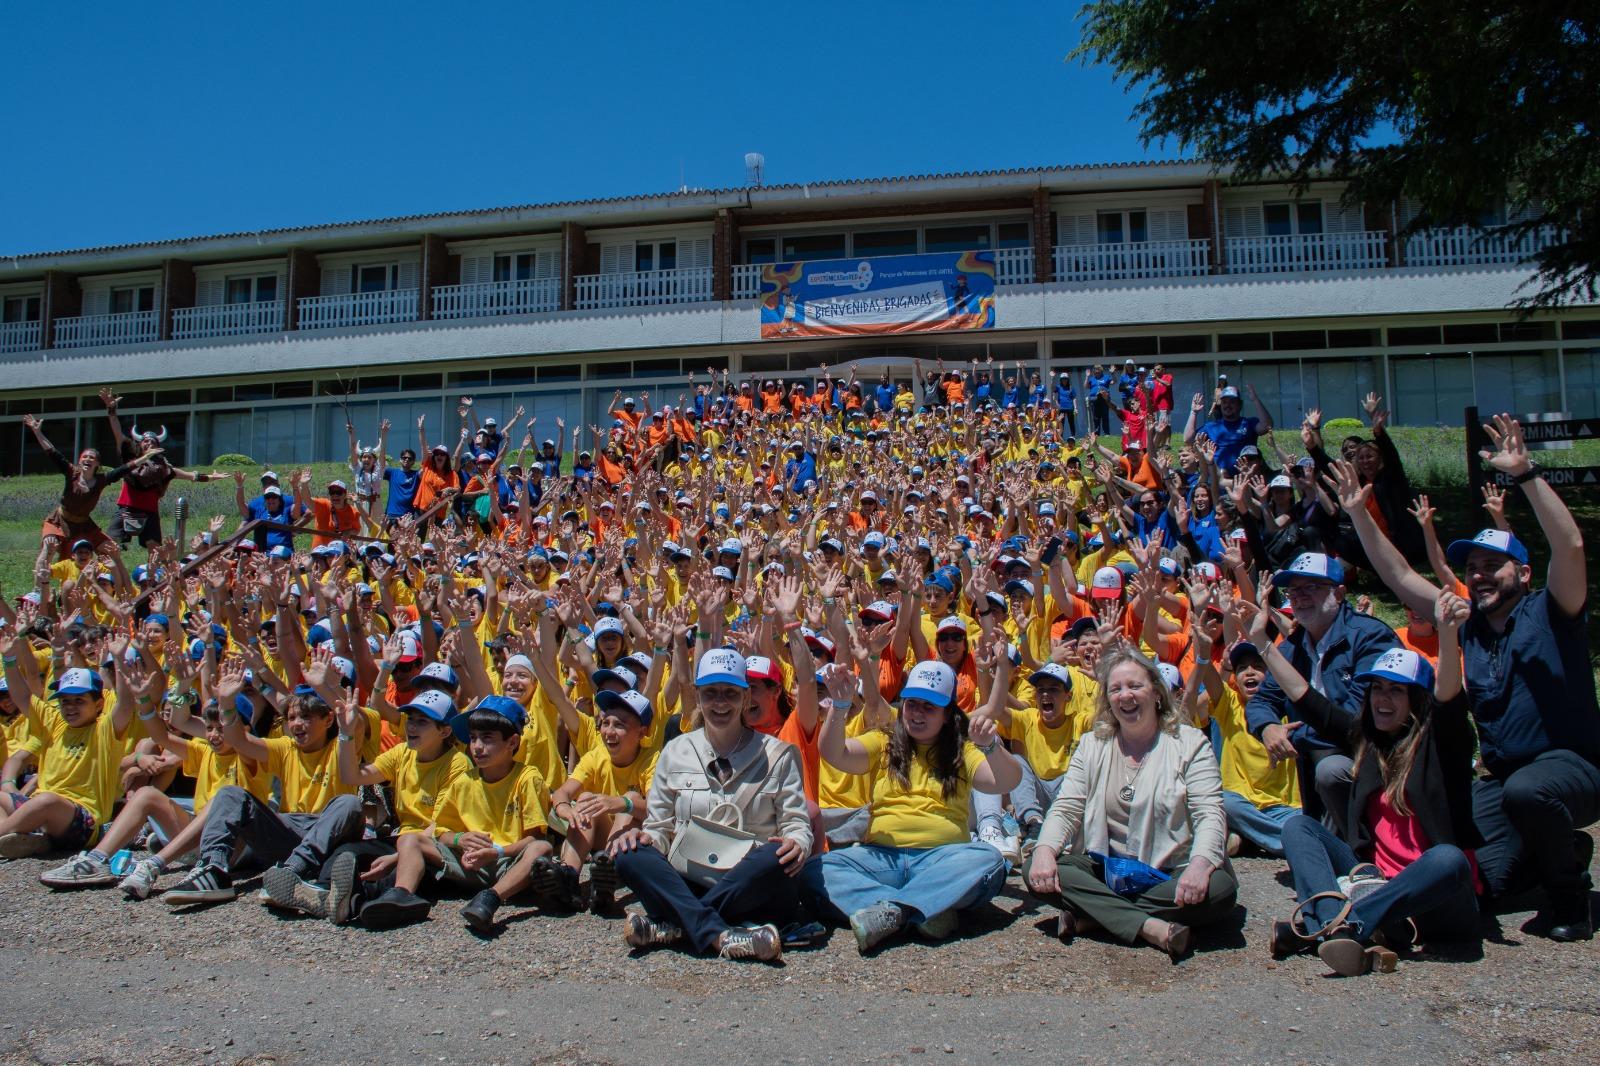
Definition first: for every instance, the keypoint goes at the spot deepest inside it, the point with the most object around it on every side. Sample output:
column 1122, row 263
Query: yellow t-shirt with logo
column 837, row 789
column 538, row 748
column 310, row 778
column 1246, row 767
column 596, row 772
column 418, row 786
column 14, row 734
column 79, row 763
column 507, row 810
column 918, row 816
column 1049, row 749
column 213, row 771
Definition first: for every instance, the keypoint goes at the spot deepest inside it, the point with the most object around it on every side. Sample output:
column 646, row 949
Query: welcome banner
column 865, row 297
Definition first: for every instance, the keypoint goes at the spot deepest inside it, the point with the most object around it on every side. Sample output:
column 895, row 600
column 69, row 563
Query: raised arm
column 1568, row 576
column 1414, row 590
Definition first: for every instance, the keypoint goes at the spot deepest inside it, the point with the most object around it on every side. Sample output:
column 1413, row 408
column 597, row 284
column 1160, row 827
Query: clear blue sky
column 140, row 122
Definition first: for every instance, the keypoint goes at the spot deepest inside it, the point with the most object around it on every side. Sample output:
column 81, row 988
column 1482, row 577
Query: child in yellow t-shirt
column 488, row 817
column 603, row 797
column 79, row 745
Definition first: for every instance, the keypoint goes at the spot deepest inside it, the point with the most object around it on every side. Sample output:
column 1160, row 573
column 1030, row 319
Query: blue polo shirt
column 267, row 539
column 885, row 396
column 1099, row 385
column 402, row 490
column 1231, row 437
column 1530, row 686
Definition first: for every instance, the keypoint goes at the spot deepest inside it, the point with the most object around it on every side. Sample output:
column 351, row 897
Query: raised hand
column 1345, row 483
column 1423, row 512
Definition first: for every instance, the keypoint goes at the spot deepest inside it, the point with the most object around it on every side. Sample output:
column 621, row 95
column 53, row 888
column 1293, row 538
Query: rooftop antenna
column 755, row 164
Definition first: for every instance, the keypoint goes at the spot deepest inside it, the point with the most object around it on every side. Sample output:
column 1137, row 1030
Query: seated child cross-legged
column 603, row 797
column 486, row 820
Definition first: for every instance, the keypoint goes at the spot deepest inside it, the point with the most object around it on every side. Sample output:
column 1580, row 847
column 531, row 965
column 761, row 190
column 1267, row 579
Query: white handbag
column 713, row 843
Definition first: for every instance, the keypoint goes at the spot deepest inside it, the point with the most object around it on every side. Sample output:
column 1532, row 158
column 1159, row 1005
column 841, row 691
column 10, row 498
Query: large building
column 265, row 343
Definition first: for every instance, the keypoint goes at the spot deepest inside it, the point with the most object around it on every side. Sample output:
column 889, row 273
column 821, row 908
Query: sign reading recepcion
column 869, row 297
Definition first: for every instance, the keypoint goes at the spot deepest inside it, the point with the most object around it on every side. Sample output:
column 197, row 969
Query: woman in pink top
column 1403, row 872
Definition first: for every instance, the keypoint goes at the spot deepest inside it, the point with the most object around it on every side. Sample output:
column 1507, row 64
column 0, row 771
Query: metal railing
column 227, row 320
column 525, row 297
column 1293, row 253
column 358, row 309
column 642, row 288
column 1133, row 259
column 21, row 336
column 87, row 331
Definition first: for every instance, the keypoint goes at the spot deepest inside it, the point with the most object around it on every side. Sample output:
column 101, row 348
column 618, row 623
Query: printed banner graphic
column 866, row 297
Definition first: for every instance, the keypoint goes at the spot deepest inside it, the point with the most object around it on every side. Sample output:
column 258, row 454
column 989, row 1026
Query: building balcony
column 526, row 297
column 1470, row 246
column 1133, row 260
column 20, row 336
column 358, row 309
column 227, row 320
column 89, row 331
column 1298, row 252
column 1012, row 266
column 643, row 288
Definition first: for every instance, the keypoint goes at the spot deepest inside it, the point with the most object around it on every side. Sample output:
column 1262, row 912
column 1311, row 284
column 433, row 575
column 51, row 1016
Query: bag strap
column 1297, row 919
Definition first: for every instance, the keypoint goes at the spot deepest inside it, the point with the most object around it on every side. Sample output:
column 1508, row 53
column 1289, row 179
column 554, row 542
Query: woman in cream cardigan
column 1142, row 786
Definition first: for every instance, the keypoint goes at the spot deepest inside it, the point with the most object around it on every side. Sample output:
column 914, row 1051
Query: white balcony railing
column 1469, row 246
column 1013, row 266
column 643, row 287
column 1133, row 259
column 358, row 309
column 746, row 281
column 1292, row 253
column 20, row 336
column 86, row 331
column 227, row 320
column 526, row 297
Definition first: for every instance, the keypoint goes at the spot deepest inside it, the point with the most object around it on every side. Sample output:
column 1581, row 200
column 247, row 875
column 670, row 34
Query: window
column 20, row 309
column 1015, row 235
column 1430, row 391
column 886, row 242
column 1583, row 381
column 1352, row 338
column 955, row 238
column 1471, row 333
column 1185, row 344
column 520, row 266
column 1405, row 336
column 761, row 250
column 1285, row 219
column 1086, row 348
column 1522, row 382
column 261, row 288
column 814, row 246
column 130, row 298
column 655, row 255
column 1244, row 342
column 1583, row 329
column 1297, row 340
column 375, row 277
column 1130, row 347
column 1120, row 227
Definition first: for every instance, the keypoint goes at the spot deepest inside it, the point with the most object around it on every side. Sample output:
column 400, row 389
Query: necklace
column 1125, row 793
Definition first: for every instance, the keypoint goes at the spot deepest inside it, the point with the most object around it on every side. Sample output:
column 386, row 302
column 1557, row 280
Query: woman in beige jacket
column 1142, row 786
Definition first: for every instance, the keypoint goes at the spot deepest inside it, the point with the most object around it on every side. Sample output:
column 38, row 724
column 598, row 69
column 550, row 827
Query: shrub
column 1338, row 428
column 233, row 459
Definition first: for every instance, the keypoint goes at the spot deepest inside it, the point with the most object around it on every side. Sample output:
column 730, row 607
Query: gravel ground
column 99, row 978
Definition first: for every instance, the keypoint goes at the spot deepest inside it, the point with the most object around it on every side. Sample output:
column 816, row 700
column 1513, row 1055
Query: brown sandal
column 1179, row 941
column 1066, row 927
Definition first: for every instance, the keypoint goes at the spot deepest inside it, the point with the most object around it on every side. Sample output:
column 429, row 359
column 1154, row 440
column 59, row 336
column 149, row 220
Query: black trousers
column 1527, row 820
column 755, row 890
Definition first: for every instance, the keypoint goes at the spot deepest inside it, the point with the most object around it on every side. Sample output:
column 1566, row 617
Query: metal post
column 1474, row 440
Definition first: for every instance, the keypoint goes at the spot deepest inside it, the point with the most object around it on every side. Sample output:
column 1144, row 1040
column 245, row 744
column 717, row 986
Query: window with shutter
column 96, row 301
column 616, row 258
column 1343, row 219
column 1075, row 230
column 208, row 293
column 1242, row 220
column 336, row 281
column 1169, row 224
column 694, row 252
column 1410, row 209
column 475, row 269
column 408, row 276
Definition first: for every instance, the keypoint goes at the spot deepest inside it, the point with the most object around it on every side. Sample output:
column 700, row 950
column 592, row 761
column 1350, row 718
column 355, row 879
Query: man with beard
column 1526, row 656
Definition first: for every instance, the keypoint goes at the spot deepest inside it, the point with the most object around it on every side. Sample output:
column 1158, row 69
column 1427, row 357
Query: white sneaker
column 140, row 880
column 992, row 836
column 1011, row 849
column 83, row 870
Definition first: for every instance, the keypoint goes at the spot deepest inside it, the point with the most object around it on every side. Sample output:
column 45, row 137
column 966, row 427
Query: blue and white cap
column 282, row 551
column 631, row 700
column 433, row 705
column 1314, row 565
column 875, row 539
column 78, row 681
column 1052, row 672
column 439, row 674
column 932, row 682
column 1495, row 540
column 619, row 673
column 609, row 625
column 733, row 546
column 721, row 666
column 1402, row 665
column 1020, row 584
column 1171, row 675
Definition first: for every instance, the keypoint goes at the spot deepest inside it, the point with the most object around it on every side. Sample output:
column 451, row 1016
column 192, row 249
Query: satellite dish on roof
column 754, row 165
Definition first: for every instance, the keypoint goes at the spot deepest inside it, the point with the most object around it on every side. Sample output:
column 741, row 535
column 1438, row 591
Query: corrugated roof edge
column 565, row 204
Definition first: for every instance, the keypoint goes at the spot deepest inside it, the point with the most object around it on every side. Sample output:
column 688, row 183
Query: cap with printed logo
column 1171, row 675
column 632, row 700
column 721, row 666
column 622, row 675
column 433, row 704
column 77, row 682
column 1107, row 584
column 504, row 706
column 761, row 668
column 1052, row 672
column 1500, row 541
column 930, row 681
column 1402, row 665
column 1313, row 565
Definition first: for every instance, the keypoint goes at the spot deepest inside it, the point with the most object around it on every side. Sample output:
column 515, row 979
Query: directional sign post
column 1559, row 477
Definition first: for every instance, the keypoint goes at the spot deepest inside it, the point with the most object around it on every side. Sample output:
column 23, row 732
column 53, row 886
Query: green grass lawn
column 1434, row 458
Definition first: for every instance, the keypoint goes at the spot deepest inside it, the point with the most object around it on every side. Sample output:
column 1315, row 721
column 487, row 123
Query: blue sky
column 165, row 120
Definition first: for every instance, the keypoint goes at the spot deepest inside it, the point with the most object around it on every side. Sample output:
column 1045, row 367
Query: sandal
column 1179, row 941
column 1349, row 957
column 1066, row 927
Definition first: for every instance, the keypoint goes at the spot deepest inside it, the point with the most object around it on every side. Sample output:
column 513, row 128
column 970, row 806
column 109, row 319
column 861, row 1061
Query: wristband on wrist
column 146, row 717
column 627, row 805
column 455, row 841
column 1527, row 475
column 499, row 851
column 386, row 665
column 989, row 748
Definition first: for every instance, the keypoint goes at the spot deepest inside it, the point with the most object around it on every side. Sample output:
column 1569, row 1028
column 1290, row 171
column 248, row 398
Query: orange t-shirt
column 955, row 391
column 611, row 472
column 430, row 483
column 340, row 519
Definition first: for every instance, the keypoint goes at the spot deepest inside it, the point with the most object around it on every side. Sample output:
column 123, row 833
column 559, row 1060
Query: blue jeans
column 1435, row 891
column 924, row 881
column 1028, row 800
column 1263, row 828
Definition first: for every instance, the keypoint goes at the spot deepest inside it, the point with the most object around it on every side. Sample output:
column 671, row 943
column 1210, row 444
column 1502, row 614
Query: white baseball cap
column 723, row 666
column 930, row 681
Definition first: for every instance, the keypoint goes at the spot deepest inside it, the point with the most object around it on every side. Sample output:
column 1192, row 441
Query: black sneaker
column 205, row 884
column 556, row 884
column 395, row 908
column 603, row 884
column 479, row 912
column 289, row 891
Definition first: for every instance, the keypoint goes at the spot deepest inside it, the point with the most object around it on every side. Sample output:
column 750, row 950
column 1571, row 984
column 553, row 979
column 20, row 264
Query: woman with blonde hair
column 1134, row 842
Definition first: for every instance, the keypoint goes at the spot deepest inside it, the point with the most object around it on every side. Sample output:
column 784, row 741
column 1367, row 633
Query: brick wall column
column 1044, row 237
column 63, row 298
column 574, row 247
column 305, row 279
column 435, row 268
column 177, row 290
column 724, row 236
column 1380, row 218
column 1211, row 207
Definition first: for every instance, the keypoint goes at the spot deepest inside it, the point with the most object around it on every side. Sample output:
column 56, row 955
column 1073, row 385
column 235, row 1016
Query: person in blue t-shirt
column 801, row 467
column 1097, row 390
column 1128, row 382
column 884, row 394
column 271, row 506
column 1066, row 400
column 402, row 481
column 1229, row 431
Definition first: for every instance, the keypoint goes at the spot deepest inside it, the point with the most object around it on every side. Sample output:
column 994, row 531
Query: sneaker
column 23, row 845
column 602, row 884
column 342, row 894
column 479, row 912
column 289, row 890
column 761, row 943
column 1011, row 850
column 993, row 836
column 374, row 807
column 205, row 884
column 83, row 870
column 556, row 883
column 643, row 931
column 875, row 924
column 395, row 908
column 1030, row 838
column 941, row 926
column 140, row 880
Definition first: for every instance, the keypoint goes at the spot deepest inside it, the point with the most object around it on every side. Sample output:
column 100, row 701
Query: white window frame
column 1294, row 207
column 111, row 298
column 392, row 268
column 1124, row 216
column 254, row 281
